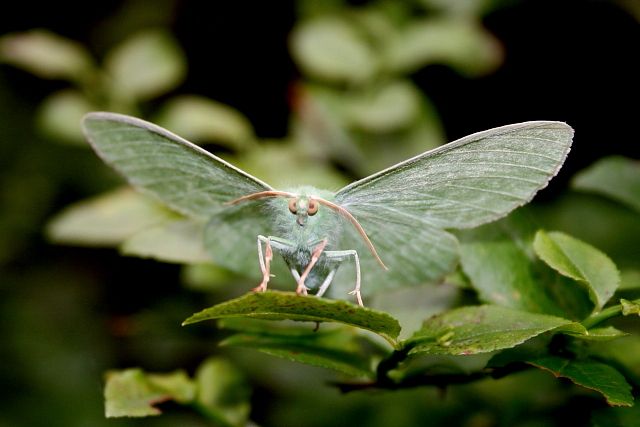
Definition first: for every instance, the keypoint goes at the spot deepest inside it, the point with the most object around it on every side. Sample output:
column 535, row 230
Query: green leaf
column 206, row 277
column 630, row 307
column 581, row 262
column 223, row 392
column 606, row 333
column 384, row 108
column 46, row 55
column 200, row 119
column 482, row 329
column 462, row 44
column 497, row 260
column 147, row 65
column 470, row 8
column 613, row 228
column 293, row 166
column 60, row 114
column 133, row 393
column 332, row 49
column 275, row 305
column 590, row 374
column 106, row 220
column 178, row 241
column 332, row 349
column 615, row 177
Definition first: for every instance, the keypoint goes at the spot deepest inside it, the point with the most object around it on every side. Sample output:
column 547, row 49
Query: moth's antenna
column 260, row 195
column 345, row 213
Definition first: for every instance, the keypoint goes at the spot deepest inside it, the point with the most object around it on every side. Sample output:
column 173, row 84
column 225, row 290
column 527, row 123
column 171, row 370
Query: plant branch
column 606, row 314
column 439, row 380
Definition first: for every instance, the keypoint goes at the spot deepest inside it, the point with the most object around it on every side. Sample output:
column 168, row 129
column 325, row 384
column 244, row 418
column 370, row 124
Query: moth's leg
column 341, row 256
column 295, row 274
column 315, row 255
column 265, row 263
column 266, row 258
column 327, row 281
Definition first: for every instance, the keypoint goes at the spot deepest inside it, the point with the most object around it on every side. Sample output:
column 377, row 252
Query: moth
column 396, row 218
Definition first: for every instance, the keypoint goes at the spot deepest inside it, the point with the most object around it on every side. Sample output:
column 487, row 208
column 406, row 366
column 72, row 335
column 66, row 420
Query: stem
column 441, row 380
column 604, row 315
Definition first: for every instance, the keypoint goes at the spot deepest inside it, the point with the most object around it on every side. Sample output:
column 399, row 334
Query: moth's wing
column 231, row 235
column 413, row 253
column 471, row 181
column 155, row 161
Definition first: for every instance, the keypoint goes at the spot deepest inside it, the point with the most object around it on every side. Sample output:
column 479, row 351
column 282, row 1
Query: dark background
column 575, row 61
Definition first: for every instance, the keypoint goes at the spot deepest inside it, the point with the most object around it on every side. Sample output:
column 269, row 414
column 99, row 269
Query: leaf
column 497, row 260
column 605, row 333
column 59, row 116
column 203, row 120
column 223, row 392
column 146, row 65
column 615, row 177
column 293, row 166
column 273, row 305
column 178, row 241
column 133, row 393
column 613, row 228
column 384, row 108
column 206, row 277
column 332, row 349
column 46, row 55
column 106, row 220
column 579, row 261
column 332, row 49
column 630, row 307
column 590, row 374
column 482, row 329
column 459, row 43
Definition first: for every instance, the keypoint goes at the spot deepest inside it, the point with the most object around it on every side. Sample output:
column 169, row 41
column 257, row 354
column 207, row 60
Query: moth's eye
column 313, row 207
column 292, row 206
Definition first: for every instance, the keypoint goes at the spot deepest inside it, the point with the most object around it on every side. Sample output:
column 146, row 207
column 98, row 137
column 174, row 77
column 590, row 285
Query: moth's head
column 303, row 207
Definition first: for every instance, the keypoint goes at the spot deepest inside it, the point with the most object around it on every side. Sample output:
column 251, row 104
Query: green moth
column 395, row 218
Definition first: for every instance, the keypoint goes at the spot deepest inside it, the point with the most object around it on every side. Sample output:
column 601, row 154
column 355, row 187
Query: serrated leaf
column 459, row 43
column 177, row 241
column 200, row 119
column 133, row 393
column 223, row 392
column 590, row 374
column 46, row 55
column 274, row 305
column 332, row 49
column 581, row 262
column 481, row 329
column 146, row 65
column 60, row 114
column 334, row 349
column 615, row 177
column 497, row 259
column 106, row 220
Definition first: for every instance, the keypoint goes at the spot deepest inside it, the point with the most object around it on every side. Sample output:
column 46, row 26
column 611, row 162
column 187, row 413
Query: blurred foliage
column 71, row 314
